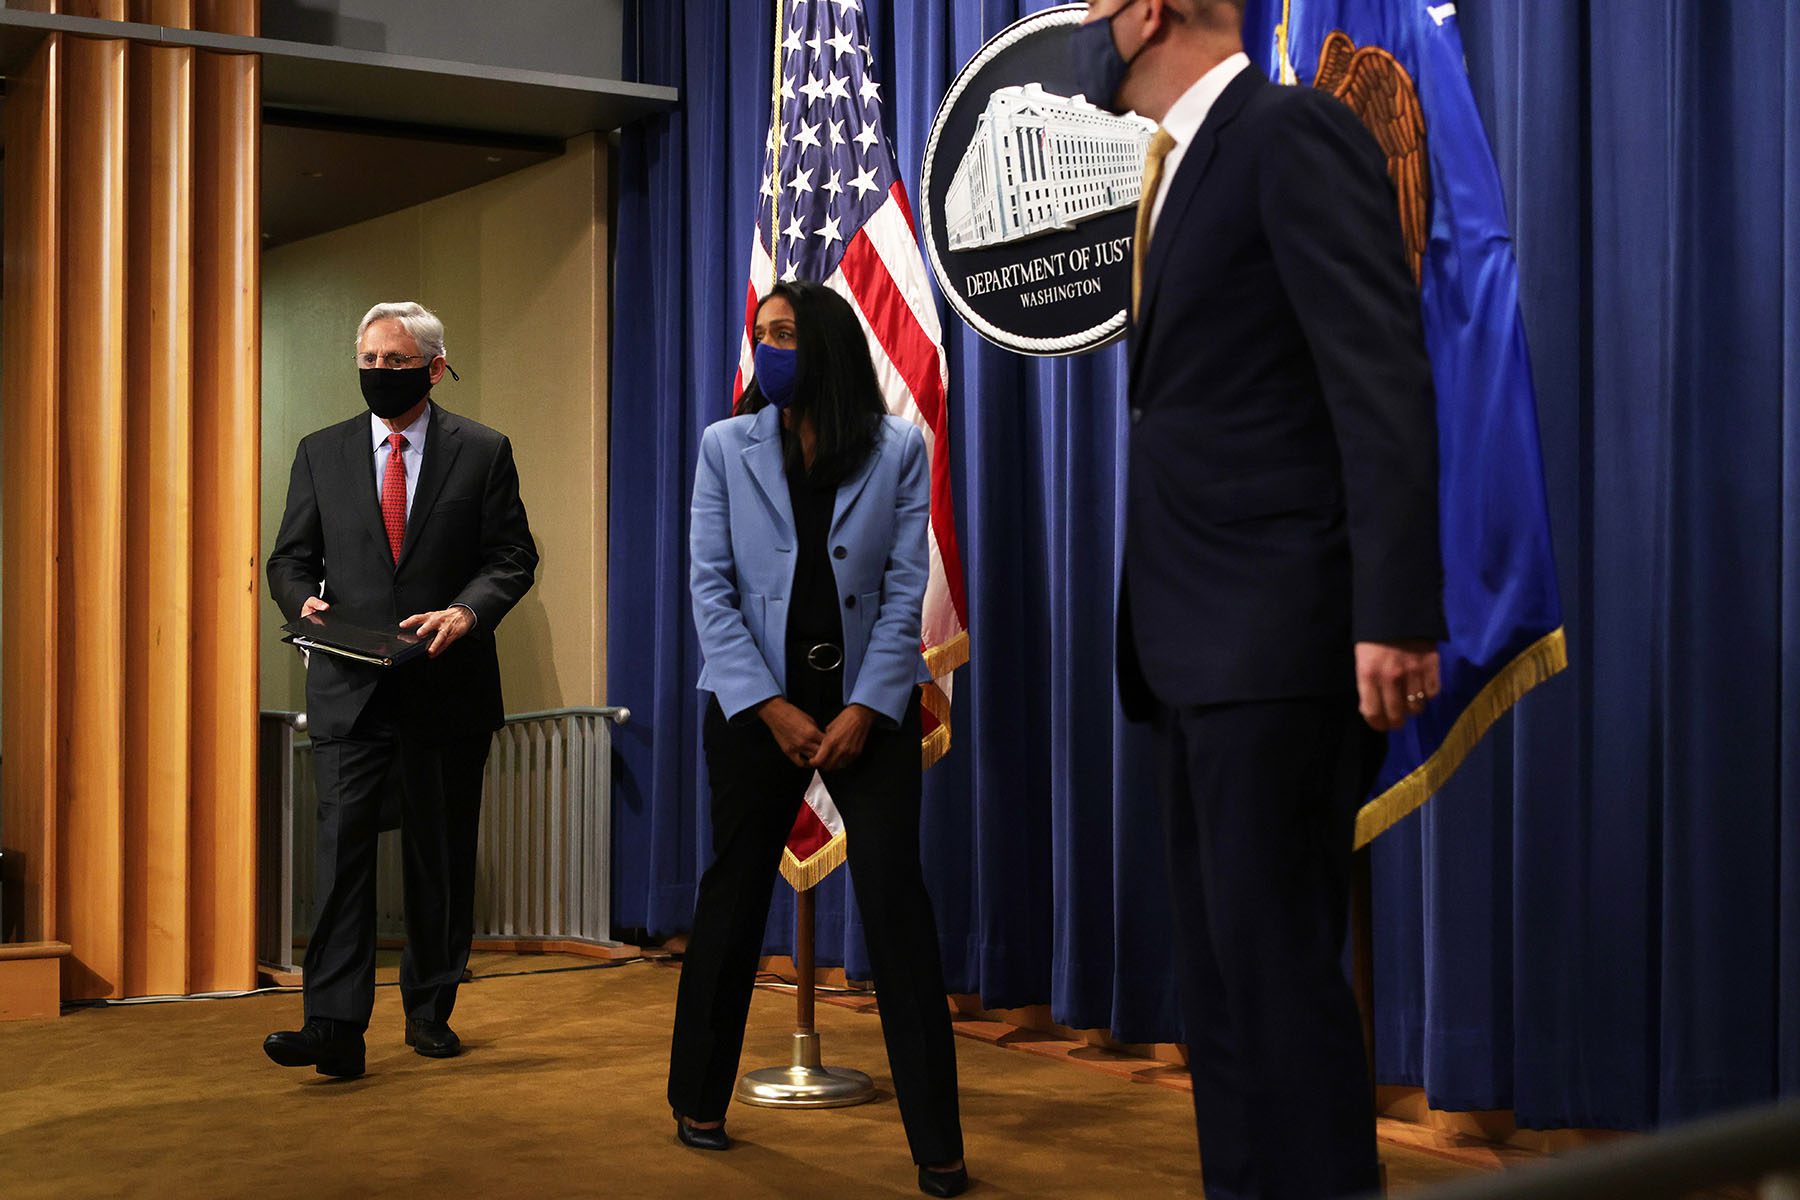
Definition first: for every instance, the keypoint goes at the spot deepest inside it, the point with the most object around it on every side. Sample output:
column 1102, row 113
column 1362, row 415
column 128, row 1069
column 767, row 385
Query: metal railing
column 544, row 865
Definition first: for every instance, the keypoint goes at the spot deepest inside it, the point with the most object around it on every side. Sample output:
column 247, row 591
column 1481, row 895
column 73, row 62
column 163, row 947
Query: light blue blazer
column 743, row 552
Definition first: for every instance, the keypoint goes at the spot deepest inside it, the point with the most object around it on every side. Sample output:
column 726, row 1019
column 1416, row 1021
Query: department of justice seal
column 1030, row 195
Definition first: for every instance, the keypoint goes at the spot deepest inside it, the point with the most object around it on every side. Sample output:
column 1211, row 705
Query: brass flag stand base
column 806, row 1082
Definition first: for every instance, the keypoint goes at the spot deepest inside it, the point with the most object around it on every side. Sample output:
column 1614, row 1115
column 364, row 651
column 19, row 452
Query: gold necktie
column 1160, row 145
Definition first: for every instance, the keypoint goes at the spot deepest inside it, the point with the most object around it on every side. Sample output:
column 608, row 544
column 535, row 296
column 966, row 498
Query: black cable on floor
column 131, row 1001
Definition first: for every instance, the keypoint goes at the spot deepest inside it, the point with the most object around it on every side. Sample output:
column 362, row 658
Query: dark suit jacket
column 467, row 542
column 1282, row 498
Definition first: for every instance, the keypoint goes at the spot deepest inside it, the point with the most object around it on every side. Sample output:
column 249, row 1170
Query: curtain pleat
column 1597, row 925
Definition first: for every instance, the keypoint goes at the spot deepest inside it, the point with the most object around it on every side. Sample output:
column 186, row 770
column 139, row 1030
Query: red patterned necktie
column 393, row 494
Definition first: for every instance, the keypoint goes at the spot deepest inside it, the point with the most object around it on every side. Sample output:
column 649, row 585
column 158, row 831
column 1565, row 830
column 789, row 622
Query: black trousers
column 440, row 818
column 756, row 794
column 1261, row 800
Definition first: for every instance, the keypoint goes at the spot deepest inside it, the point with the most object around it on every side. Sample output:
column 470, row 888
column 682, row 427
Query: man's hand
column 443, row 627
column 1394, row 681
column 795, row 732
column 313, row 605
column 844, row 738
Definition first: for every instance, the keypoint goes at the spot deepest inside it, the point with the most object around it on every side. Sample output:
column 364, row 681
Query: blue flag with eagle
column 1399, row 65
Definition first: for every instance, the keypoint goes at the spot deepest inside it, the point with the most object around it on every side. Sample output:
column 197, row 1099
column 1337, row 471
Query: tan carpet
column 560, row 1093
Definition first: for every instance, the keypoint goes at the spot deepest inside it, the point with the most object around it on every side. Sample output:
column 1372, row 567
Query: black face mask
column 1100, row 69
column 390, row 393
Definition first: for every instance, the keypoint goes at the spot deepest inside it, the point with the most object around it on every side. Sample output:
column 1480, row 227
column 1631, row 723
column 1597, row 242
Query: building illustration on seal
column 1039, row 163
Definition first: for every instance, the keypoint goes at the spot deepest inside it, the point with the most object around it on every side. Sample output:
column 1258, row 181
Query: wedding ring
column 1416, row 699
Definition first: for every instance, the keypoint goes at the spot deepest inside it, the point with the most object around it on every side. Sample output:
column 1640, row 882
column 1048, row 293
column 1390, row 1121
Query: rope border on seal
column 1095, row 337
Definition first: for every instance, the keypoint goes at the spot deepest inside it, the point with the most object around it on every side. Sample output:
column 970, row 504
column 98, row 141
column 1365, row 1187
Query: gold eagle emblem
column 1379, row 91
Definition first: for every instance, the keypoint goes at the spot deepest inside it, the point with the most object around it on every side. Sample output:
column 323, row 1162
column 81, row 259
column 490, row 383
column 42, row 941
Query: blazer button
column 840, row 552
column 849, row 601
column 1137, row 415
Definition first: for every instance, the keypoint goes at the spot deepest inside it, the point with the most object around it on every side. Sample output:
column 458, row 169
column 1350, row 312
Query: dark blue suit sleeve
column 1330, row 214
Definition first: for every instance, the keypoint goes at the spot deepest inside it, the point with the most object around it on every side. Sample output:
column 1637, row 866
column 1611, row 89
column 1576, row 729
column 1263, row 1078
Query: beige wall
column 517, row 270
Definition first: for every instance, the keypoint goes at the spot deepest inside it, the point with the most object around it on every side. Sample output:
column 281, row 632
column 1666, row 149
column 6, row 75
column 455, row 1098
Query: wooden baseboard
column 1490, row 1128
column 615, row 950
column 1036, row 1019
column 272, row 975
column 31, row 980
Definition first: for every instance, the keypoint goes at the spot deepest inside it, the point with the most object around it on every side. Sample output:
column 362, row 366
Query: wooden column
column 28, row 759
column 227, row 484
column 159, row 508
column 132, row 389
column 90, row 858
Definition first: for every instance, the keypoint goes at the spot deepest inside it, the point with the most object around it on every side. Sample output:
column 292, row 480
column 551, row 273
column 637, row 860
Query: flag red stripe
column 809, row 835
column 898, row 192
column 916, row 358
column 737, row 386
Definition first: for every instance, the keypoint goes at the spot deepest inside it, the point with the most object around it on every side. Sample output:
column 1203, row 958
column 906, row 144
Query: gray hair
column 420, row 323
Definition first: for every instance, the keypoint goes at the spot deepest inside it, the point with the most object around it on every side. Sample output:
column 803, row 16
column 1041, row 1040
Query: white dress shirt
column 1184, row 118
column 411, row 459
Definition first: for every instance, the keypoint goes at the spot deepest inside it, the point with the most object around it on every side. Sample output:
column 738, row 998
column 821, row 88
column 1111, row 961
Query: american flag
column 832, row 208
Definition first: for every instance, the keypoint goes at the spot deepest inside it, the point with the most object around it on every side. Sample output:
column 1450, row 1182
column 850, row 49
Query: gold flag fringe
column 935, row 745
column 933, row 700
column 1543, row 659
column 941, row 660
column 812, row 872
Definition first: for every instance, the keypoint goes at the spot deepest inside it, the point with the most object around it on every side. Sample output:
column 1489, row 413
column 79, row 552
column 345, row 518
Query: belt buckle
column 826, row 656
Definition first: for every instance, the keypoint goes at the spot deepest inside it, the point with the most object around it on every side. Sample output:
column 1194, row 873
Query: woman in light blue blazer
column 810, row 560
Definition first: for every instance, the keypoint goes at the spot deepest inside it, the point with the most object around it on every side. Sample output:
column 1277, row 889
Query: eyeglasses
column 389, row 361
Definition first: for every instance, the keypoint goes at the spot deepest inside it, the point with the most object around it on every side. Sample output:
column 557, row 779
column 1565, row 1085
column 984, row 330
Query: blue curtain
column 1598, row 923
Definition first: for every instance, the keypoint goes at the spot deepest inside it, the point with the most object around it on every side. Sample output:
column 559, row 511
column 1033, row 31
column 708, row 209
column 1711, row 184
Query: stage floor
column 559, row 1093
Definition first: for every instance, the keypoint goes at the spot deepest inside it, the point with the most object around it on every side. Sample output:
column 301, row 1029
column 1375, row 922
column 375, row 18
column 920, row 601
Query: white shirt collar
column 415, row 433
column 1187, row 114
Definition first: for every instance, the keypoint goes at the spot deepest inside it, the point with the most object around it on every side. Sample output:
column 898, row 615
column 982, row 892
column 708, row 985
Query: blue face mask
column 1100, row 69
column 775, row 367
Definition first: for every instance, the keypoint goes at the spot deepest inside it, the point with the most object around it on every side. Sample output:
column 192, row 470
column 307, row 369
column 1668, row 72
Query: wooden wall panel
column 28, row 764
column 227, row 449
column 91, row 462
column 159, row 479
column 131, row 410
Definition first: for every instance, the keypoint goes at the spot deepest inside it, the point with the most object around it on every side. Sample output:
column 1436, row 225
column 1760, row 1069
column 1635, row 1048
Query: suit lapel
column 1184, row 186
column 359, row 463
column 762, row 458
column 853, row 487
column 442, row 445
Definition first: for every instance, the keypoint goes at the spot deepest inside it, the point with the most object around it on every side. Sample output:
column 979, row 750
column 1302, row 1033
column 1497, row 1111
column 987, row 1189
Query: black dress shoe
column 944, row 1183
column 701, row 1139
column 329, row 1047
column 433, row 1039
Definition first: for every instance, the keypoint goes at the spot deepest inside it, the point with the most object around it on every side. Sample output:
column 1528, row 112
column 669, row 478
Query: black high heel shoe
column 944, row 1183
column 707, row 1139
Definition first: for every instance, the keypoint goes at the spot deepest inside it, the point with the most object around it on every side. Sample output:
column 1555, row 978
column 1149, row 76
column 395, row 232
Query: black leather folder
column 328, row 634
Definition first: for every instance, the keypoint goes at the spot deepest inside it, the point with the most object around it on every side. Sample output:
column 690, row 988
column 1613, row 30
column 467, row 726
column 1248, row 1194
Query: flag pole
column 775, row 132
column 805, row 1082
column 1284, row 68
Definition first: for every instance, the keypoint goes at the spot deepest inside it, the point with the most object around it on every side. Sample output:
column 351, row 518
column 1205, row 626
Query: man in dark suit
column 409, row 515
column 1281, row 563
